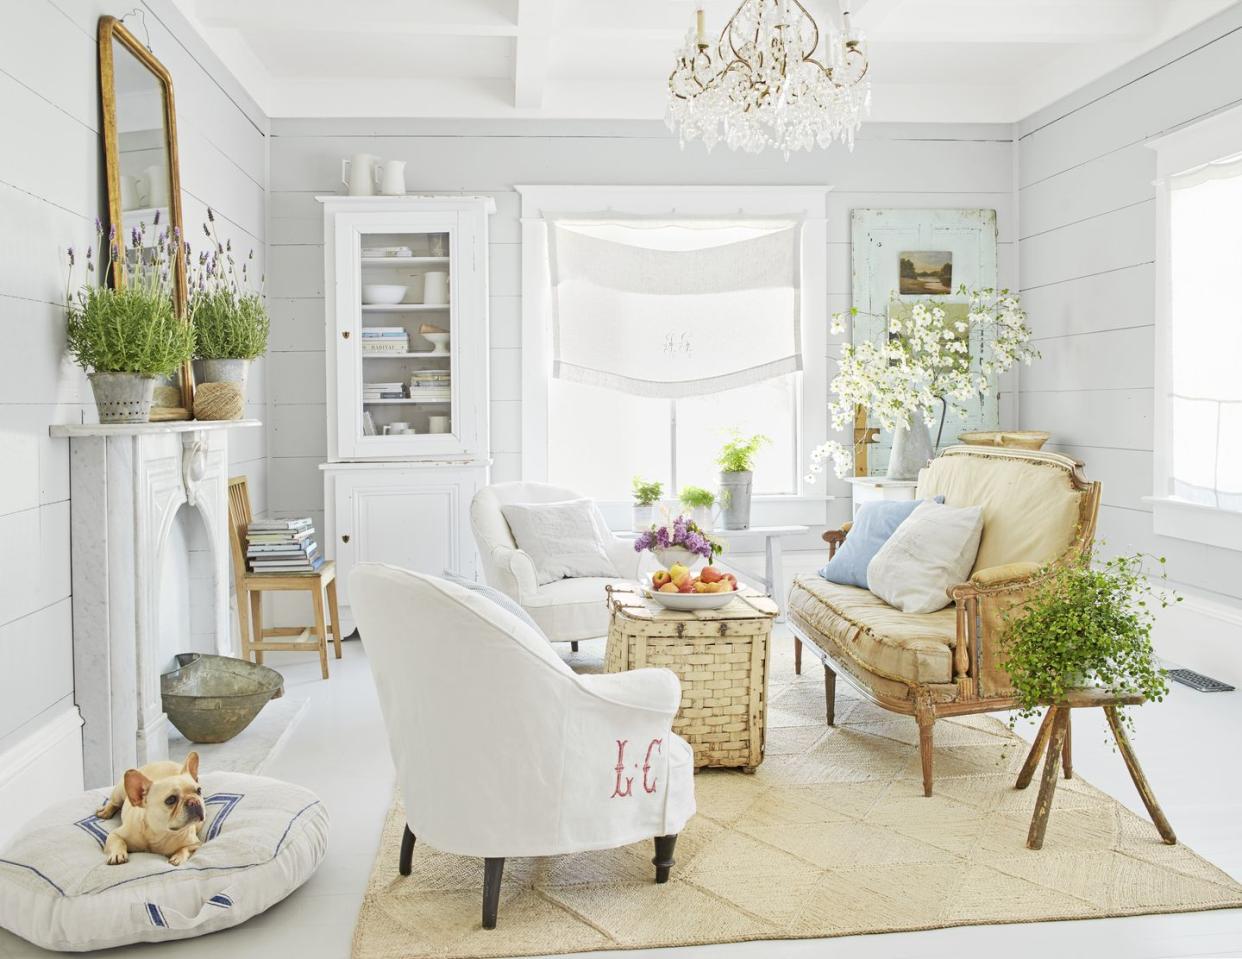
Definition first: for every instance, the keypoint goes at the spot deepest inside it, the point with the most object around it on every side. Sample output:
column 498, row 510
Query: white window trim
column 1183, row 149
column 809, row 203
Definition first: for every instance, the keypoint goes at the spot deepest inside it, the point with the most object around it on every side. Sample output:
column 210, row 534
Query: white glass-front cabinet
column 407, row 415
column 406, row 298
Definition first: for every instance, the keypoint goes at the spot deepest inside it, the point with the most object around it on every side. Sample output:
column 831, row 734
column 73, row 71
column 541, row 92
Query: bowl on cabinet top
column 383, row 294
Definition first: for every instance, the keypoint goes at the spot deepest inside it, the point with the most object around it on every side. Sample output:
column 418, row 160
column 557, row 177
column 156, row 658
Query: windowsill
column 1195, row 522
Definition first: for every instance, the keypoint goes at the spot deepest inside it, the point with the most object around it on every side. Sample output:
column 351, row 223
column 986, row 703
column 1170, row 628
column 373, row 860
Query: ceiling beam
column 461, row 18
column 1031, row 21
column 532, row 50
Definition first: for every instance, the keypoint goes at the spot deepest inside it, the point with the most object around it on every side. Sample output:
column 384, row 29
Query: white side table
column 867, row 489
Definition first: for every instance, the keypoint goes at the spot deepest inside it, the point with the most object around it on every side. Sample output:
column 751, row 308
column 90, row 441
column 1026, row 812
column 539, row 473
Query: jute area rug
column 831, row 836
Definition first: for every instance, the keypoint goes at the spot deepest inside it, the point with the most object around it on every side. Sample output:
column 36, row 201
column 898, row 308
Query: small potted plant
column 681, row 541
column 127, row 334
column 699, row 502
column 1086, row 625
column 230, row 318
column 647, row 495
column 737, row 461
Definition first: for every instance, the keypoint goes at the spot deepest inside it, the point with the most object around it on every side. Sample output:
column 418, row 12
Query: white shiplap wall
column 50, row 193
column 1087, row 220
column 892, row 166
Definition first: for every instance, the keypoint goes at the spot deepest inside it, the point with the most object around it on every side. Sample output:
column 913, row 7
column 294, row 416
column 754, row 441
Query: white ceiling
column 931, row 60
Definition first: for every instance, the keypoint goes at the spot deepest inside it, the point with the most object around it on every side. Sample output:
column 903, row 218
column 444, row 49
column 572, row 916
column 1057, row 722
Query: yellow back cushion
column 1030, row 507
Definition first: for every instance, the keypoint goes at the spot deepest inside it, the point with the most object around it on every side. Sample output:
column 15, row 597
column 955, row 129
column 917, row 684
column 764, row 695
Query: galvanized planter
column 735, row 499
column 123, row 397
column 224, row 371
column 210, row 699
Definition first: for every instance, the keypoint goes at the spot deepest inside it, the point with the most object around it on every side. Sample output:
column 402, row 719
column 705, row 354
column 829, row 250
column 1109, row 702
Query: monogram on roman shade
column 1206, row 334
column 674, row 307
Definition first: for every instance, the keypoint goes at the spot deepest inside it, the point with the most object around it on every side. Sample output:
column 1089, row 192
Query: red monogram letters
column 623, row 791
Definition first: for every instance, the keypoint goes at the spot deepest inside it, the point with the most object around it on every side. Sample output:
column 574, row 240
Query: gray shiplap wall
column 50, row 194
column 1087, row 233
column 891, row 166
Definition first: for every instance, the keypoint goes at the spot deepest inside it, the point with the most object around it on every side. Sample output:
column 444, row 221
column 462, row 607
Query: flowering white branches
column 926, row 356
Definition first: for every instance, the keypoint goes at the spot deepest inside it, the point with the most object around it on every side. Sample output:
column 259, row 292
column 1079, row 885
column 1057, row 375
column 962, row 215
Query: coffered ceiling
column 931, row 60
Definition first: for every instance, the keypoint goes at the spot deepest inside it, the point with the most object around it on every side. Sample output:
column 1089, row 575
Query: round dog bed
column 263, row 839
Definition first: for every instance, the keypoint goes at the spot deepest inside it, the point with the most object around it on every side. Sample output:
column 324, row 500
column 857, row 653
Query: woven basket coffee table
column 721, row 658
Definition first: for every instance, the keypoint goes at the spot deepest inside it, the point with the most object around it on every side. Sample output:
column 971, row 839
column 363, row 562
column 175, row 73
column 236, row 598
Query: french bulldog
column 162, row 812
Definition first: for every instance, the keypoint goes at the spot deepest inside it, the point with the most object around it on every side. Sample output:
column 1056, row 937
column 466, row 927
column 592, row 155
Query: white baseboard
column 44, row 765
column 1203, row 634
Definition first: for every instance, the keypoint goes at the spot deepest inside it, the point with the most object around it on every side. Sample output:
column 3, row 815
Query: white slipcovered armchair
column 501, row 750
column 567, row 610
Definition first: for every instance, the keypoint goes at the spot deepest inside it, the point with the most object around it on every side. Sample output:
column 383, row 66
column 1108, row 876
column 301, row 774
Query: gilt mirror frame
column 112, row 30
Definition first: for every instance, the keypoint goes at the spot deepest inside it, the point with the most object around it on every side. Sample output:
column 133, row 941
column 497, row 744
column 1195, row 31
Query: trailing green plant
column 646, row 492
column 1087, row 624
column 230, row 318
column 131, row 326
column 696, row 497
column 738, row 453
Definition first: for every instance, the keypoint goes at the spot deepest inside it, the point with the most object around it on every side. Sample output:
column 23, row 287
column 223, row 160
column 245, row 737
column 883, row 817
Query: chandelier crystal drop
column 761, row 84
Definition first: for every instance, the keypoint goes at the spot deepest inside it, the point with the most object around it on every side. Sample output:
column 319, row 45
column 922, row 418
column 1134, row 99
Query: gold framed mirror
column 140, row 162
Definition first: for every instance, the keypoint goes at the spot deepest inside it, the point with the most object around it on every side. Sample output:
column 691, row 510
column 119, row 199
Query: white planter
column 702, row 517
column 677, row 554
column 123, row 397
column 644, row 516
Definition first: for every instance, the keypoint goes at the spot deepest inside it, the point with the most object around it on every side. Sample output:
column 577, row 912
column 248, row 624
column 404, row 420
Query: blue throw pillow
column 874, row 524
column 507, row 603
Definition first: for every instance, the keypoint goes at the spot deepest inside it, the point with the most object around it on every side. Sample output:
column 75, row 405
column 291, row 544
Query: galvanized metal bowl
column 210, row 699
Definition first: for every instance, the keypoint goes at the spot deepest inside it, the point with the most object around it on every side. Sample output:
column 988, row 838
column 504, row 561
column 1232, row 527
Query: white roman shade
column 667, row 307
column 1205, row 205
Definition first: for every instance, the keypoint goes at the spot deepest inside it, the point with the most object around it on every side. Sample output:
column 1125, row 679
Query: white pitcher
column 358, row 173
column 392, row 178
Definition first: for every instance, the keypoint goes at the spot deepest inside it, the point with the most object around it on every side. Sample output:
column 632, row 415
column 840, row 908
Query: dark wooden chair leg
column 797, row 656
column 1048, row 782
column 1037, row 750
column 493, row 871
column 407, row 852
column 830, row 695
column 664, row 860
column 1136, row 773
column 926, row 753
column 1067, row 757
column 574, row 646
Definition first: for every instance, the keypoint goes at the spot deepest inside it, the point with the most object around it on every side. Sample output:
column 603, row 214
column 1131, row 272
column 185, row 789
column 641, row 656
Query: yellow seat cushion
column 911, row 647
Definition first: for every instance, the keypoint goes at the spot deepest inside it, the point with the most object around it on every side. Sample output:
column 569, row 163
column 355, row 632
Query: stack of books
column 282, row 546
column 382, row 391
column 381, row 340
column 430, row 386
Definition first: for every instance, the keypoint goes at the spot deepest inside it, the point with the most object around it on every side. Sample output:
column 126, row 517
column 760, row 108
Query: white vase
column 702, row 517
column 911, row 451
column 644, row 516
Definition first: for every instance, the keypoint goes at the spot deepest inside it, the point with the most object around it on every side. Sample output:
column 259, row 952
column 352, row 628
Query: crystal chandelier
column 760, row 84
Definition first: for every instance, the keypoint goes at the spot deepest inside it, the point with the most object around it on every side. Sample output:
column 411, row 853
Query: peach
column 669, row 588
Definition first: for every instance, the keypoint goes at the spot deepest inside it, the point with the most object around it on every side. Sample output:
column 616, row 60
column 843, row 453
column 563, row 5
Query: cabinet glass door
column 405, row 390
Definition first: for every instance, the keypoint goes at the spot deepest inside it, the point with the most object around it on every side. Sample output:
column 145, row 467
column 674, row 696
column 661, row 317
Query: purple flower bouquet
column 681, row 533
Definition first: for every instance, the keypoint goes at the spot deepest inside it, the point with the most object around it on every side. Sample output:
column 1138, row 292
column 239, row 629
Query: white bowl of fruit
column 679, row 588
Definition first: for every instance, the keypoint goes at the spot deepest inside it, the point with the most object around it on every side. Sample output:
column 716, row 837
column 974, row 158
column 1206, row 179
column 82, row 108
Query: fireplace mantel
column 127, row 484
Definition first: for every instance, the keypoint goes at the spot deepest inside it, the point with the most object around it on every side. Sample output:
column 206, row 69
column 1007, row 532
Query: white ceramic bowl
column 690, row 602
column 382, row 294
column 438, row 341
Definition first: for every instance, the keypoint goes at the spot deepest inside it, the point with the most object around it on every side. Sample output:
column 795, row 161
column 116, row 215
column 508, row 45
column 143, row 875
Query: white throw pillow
column 933, row 549
column 562, row 539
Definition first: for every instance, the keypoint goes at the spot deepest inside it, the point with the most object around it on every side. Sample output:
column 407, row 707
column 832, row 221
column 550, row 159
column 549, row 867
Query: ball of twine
column 218, row 401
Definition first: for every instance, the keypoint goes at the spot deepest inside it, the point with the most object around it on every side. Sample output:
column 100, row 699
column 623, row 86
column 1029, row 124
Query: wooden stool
column 1054, row 733
column 251, row 587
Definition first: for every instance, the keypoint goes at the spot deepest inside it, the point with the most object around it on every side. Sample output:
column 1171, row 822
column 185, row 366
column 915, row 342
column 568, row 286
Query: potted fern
column 1087, row 625
column 127, row 334
column 699, row 502
column 737, row 461
column 230, row 318
column 647, row 495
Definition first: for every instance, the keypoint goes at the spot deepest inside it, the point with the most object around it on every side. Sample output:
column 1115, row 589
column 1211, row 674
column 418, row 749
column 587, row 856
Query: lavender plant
column 230, row 318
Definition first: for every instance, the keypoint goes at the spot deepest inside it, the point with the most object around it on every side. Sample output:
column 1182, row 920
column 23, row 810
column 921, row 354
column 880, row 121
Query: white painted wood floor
column 339, row 749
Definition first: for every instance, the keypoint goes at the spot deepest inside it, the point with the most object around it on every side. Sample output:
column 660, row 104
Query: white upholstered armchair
column 567, row 610
column 501, row 750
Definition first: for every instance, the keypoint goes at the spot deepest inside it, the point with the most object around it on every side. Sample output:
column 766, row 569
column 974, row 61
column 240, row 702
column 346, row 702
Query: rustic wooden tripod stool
column 1054, row 734
column 250, row 588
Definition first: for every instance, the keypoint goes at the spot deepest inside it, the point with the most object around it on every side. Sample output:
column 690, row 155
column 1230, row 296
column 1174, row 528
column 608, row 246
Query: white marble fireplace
column 129, row 483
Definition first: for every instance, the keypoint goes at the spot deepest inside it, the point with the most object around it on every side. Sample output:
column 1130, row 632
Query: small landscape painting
column 928, row 273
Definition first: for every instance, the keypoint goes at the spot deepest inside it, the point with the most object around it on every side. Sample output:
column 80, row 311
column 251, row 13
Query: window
column 668, row 333
column 651, row 330
column 1198, row 455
